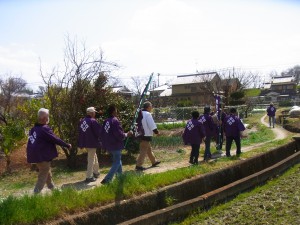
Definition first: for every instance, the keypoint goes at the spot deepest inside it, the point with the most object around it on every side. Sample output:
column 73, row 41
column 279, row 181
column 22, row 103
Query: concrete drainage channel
column 200, row 191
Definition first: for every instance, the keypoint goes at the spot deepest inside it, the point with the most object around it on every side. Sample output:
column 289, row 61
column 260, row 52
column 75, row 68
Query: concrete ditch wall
column 181, row 192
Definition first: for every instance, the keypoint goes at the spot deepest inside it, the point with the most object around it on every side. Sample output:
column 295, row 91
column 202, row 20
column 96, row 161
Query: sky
column 169, row 37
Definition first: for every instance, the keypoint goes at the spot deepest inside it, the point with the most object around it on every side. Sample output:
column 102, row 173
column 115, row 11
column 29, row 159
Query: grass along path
column 277, row 202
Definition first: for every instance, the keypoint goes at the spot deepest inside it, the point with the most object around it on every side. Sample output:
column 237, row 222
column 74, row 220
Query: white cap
column 90, row 109
column 43, row 110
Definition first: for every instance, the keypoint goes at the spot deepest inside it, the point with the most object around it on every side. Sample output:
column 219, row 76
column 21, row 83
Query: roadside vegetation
column 171, row 125
column 277, row 202
column 33, row 209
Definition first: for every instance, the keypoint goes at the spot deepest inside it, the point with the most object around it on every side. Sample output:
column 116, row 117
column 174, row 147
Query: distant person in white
column 149, row 127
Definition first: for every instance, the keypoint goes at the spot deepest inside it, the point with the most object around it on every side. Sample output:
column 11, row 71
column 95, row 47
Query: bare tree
column 138, row 85
column 228, row 82
column 294, row 71
column 10, row 87
column 67, row 87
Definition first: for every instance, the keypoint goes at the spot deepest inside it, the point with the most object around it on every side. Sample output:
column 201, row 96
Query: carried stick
column 141, row 101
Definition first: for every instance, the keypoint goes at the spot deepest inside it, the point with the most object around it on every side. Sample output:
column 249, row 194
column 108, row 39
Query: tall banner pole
column 141, row 101
column 218, row 107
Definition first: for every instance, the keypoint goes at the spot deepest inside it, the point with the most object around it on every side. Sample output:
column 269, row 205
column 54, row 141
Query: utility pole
column 158, row 79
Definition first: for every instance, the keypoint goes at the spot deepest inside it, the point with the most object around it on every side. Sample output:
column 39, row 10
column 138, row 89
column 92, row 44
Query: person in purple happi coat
column 233, row 128
column 208, row 123
column 193, row 135
column 41, row 149
column 271, row 110
column 113, row 141
column 89, row 138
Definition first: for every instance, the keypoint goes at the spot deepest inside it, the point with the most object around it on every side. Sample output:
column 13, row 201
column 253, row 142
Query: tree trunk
column 8, row 161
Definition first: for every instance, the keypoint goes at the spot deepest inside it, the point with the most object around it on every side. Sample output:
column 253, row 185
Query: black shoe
column 104, row 181
column 89, row 180
column 156, row 163
column 139, row 168
column 228, row 155
column 191, row 162
column 96, row 175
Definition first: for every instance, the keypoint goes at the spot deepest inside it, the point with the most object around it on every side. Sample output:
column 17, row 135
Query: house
column 161, row 96
column 123, row 91
column 281, row 88
column 158, row 90
column 197, row 88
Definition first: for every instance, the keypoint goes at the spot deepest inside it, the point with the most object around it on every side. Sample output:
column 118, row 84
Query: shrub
column 286, row 103
column 11, row 134
column 184, row 103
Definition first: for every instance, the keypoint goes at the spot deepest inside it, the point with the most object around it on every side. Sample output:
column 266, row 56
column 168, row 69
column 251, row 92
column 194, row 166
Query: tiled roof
column 194, row 78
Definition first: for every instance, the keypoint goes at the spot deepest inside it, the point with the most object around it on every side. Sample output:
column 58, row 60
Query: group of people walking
column 205, row 127
column 41, row 146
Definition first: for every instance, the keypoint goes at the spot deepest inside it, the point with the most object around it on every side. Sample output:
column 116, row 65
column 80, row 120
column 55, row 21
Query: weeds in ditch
column 170, row 200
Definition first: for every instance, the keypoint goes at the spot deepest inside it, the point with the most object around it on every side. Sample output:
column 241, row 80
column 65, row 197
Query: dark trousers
column 272, row 121
column 194, row 153
column 207, row 153
column 237, row 141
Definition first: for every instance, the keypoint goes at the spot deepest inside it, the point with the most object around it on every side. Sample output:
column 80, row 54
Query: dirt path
column 280, row 133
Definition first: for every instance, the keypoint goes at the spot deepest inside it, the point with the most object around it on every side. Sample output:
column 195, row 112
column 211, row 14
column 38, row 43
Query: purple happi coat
column 89, row 133
column 112, row 135
column 208, row 124
column 233, row 126
column 41, row 146
column 193, row 133
column 271, row 110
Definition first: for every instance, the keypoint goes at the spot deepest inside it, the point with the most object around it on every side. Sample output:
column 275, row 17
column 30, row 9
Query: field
column 277, row 202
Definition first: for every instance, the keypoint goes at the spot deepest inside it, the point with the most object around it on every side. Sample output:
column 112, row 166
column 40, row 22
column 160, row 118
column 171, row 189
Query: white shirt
column 148, row 124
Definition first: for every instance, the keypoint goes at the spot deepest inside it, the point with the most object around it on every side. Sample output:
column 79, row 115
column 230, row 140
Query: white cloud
column 18, row 60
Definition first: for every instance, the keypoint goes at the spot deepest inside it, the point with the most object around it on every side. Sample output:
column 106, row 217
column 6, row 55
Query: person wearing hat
column 89, row 138
column 233, row 128
column 41, row 149
column 271, row 110
column 208, row 123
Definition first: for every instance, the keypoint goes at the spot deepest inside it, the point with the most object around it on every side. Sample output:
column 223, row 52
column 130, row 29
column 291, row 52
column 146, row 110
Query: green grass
column 34, row 209
column 170, row 126
column 262, row 134
column 253, row 92
column 166, row 141
column 276, row 202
